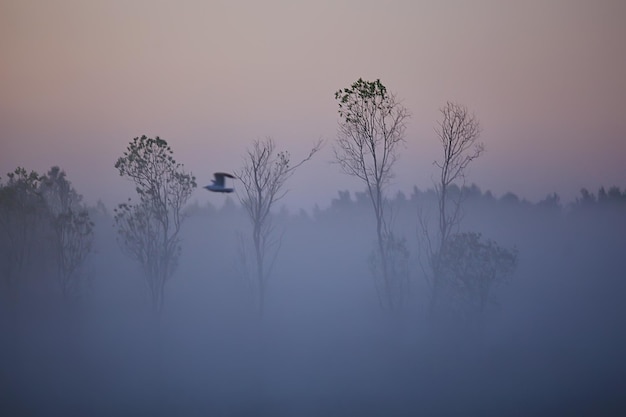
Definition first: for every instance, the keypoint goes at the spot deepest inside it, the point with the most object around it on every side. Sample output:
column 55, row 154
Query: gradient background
column 546, row 78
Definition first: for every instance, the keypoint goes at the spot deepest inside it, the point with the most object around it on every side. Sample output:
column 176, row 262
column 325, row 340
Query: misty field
column 552, row 344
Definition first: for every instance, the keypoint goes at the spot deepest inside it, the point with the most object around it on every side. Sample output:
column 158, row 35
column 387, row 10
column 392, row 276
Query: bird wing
column 224, row 174
column 219, row 178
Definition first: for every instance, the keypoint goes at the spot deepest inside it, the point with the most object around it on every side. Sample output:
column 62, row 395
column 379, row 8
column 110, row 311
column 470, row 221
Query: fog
column 553, row 344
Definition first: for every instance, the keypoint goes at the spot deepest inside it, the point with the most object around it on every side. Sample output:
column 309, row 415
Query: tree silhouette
column 370, row 132
column 23, row 228
column 263, row 175
column 149, row 229
column 72, row 226
column 470, row 268
column 458, row 132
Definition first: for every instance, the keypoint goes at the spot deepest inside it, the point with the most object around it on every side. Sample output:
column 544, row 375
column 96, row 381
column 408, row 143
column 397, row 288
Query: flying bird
column 218, row 184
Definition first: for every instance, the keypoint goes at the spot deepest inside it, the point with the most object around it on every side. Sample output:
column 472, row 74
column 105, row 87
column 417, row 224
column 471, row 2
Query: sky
column 80, row 79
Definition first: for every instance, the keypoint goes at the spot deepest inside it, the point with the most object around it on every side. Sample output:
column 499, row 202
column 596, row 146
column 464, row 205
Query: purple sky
column 546, row 78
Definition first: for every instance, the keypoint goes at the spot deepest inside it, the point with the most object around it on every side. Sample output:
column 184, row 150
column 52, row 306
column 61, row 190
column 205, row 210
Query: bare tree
column 458, row 132
column 73, row 229
column 149, row 230
column 263, row 175
column 370, row 131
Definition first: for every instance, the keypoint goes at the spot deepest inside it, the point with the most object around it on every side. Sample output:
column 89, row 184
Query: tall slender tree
column 370, row 133
column 263, row 175
column 458, row 131
column 149, row 229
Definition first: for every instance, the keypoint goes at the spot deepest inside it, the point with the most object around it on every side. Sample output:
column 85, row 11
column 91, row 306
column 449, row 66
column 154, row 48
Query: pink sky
column 547, row 79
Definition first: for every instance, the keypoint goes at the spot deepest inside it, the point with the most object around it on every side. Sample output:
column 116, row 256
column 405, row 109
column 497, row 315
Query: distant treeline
column 47, row 233
column 347, row 200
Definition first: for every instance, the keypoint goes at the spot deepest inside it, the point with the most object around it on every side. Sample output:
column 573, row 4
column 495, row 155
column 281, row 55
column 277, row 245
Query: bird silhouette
column 218, row 184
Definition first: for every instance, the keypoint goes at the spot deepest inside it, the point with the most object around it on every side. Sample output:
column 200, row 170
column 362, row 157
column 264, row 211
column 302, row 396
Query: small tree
column 458, row 132
column 72, row 227
column 471, row 268
column 263, row 175
column 370, row 131
column 149, row 229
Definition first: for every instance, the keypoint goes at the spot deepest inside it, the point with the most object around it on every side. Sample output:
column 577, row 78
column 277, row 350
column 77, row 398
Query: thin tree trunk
column 383, row 260
column 259, row 267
